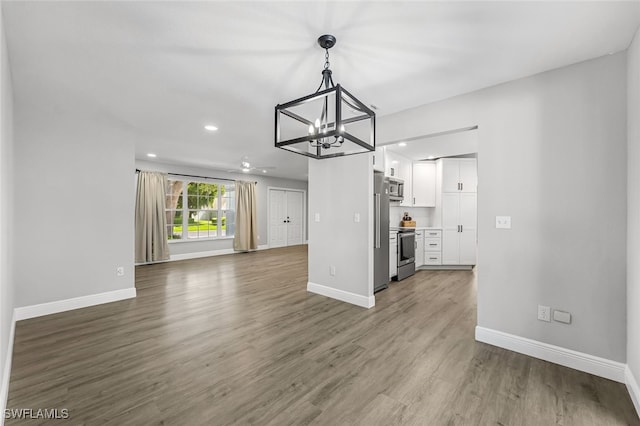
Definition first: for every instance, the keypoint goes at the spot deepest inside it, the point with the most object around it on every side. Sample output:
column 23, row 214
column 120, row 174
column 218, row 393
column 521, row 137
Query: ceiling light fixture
column 431, row 157
column 152, row 155
column 403, row 144
column 210, row 128
column 246, row 169
column 328, row 123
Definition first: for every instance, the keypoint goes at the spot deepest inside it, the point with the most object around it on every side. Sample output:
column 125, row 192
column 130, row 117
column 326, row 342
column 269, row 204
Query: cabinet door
column 468, row 220
column 378, row 159
column 450, row 228
column 424, row 184
column 450, row 175
column 468, row 175
column 467, row 246
column 450, row 247
column 405, row 173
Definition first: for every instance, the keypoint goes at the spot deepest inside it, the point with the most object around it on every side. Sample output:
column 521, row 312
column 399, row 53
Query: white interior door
column 277, row 218
column 286, row 218
column 295, row 219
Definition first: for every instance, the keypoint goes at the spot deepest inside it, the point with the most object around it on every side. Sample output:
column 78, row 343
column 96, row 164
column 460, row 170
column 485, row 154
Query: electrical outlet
column 544, row 313
column 332, row 271
column 120, row 271
column 561, row 316
column 356, row 217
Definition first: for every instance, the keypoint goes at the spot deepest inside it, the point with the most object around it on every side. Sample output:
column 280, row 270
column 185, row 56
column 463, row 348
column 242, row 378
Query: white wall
column 6, row 206
column 339, row 188
column 74, row 203
column 633, row 207
column 552, row 154
column 180, row 247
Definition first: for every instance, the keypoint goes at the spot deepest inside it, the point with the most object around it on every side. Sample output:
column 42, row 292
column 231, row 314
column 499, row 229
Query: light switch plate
column 317, row 217
column 503, row 222
column 356, row 217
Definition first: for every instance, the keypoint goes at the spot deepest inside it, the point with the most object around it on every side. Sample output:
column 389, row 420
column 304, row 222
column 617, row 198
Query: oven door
column 406, row 248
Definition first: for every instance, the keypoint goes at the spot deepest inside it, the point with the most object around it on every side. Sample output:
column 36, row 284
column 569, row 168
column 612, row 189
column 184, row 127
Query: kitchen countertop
column 417, row 228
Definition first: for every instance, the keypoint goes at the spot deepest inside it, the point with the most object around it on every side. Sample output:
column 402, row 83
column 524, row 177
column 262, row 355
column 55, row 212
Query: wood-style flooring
column 237, row 340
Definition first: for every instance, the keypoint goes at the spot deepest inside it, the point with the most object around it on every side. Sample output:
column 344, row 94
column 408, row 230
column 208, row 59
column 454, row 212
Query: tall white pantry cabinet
column 456, row 206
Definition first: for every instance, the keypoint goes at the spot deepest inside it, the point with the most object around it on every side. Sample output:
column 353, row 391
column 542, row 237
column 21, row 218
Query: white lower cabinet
column 419, row 248
column 433, row 247
column 393, row 254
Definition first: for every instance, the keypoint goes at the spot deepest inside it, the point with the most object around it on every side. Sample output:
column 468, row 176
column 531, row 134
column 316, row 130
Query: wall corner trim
column 6, row 372
column 32, row 311
column 591, row 364
column 343, row 296
column 633, row 388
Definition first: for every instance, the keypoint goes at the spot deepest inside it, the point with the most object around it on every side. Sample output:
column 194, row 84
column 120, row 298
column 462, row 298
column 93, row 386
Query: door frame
column 304, row 211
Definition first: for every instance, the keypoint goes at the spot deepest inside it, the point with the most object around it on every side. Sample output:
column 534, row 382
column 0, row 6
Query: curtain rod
column 199, row 177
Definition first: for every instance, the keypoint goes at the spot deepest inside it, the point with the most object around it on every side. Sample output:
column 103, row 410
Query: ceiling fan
column 246, row 166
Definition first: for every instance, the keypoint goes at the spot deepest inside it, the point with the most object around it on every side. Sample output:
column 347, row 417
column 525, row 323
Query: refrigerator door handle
column 377, row 220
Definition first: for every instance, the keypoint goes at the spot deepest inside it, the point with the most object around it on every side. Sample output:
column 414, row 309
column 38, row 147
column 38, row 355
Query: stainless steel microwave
column 396, row 189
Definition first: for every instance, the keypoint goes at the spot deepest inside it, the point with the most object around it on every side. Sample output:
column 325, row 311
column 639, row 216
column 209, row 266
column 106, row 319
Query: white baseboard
column 632, row 387
column 26, row 312
column 6, row 372
column 344, row 296
column 597, row 366
column 209, row 253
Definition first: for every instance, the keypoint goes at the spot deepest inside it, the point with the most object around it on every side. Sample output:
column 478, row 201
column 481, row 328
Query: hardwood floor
column 237, row 340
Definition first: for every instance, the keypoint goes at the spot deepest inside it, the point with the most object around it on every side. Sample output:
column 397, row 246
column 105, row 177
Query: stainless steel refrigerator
column 380, row 231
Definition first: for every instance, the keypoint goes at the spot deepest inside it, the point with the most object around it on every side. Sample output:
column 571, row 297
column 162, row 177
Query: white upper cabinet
column 459, row 175
column 378, row 159
column 424, row 184
column 398, row 166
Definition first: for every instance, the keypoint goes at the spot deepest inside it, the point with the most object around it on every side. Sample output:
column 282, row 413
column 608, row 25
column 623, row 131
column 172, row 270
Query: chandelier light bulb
column 312, row 129
column 342, row 128
column 318, row 123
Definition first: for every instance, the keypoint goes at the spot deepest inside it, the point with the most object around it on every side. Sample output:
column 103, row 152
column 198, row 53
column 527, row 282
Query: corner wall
column 7, row 283
column 339, row 188
column 633, row 219
column 552, row 155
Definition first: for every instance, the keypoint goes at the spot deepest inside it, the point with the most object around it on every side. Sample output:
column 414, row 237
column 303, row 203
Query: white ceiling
column 431, row 147
column 164, row 69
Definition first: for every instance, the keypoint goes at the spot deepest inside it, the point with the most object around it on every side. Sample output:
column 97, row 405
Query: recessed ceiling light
column 210, row 127
column 264, row 171
column 402, row 144
column 394, row 162
column 431, row 157
column 152, row 155
column 246, row 170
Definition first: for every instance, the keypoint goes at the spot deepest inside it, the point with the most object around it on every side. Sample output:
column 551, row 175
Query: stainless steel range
column 406, row 253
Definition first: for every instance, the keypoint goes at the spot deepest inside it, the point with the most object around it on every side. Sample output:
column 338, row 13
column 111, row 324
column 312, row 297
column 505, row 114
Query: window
column 197, row 210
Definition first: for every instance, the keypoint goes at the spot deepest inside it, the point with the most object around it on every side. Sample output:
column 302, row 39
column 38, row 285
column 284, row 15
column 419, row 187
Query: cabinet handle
column 433, row 244
column 461, row 228
column 433, row 258
column 414, row 200
column 461, row 186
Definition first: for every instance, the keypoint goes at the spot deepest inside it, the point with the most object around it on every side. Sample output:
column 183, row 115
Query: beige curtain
column 151, row 222
column 246, row 235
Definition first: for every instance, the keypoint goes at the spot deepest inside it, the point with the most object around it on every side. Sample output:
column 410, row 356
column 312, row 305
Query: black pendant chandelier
column 328, row 123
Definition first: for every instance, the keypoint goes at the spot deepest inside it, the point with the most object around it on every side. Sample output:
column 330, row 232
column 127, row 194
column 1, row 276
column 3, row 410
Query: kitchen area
column 425, row 200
